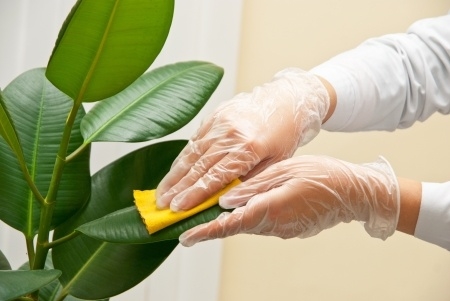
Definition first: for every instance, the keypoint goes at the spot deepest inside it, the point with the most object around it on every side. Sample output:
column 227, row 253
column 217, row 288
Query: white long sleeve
column 391, row 82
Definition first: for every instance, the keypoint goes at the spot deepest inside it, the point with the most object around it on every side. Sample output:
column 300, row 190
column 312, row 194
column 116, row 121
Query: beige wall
column 343, row 263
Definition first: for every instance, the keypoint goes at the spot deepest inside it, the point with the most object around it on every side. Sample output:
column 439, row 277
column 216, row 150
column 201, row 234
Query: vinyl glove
column 245, row 135
column 304, row 195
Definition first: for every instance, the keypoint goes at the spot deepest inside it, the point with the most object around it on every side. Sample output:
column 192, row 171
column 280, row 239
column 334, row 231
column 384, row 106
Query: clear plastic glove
column 245, row 135
column 304, row 195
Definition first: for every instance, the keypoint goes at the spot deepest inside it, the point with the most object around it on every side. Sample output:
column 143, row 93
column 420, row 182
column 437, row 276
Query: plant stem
column 62, row 240
column 77, row 152
column 43, row 235
column 33, row 187
column 49, row 202
column 30, row 250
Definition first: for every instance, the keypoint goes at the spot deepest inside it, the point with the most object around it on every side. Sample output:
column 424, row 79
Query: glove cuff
column 384, row 214
column 312, row 101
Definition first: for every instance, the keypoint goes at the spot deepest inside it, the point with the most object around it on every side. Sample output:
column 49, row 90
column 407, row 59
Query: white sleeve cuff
column 345, row 95
column 433, row 224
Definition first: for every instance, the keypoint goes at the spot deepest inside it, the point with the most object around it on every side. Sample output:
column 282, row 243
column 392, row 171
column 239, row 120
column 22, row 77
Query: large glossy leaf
column 126, row 226
column 90, row 266
column 157, row 104
column 4, row 263
column 106, row 45
column 14, row 284
column 98, row 265
column 39, row 111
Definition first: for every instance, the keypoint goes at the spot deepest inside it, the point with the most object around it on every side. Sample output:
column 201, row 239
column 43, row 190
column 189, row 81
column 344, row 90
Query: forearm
column 425, row 211
column 410, row 197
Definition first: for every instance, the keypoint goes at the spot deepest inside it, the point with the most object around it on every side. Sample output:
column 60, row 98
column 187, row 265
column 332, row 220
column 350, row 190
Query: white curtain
column 202, row 30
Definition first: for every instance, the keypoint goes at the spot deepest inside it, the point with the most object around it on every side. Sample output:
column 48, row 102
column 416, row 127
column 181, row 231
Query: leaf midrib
column 138, row 99
column 83, row 268
column 98, row 53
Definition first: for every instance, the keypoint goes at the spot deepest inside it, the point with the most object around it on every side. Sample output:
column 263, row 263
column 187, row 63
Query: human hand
column 301, row 196
column 245, row 135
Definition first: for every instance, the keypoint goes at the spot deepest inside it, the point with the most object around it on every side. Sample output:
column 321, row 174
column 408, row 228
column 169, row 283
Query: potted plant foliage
column 84, row 237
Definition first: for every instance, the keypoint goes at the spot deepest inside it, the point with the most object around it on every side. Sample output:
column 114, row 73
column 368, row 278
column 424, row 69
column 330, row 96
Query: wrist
column 410, row 199
column 384, row 199
column 311, row 100
column 332, row 97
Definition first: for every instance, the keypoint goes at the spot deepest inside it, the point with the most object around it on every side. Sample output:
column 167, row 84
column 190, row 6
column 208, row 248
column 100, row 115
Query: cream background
column 343, row 263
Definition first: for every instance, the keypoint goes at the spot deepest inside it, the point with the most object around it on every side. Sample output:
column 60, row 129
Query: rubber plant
column 84, row 237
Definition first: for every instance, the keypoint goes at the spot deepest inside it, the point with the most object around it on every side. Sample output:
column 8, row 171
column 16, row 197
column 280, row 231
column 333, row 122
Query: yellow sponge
column 156, row 219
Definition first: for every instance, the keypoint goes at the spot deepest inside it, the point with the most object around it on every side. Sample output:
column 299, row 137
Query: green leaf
column 52, row 291
column 104, row 46
column 4, row 263
column 39, row 111
column 157, row 104
column 102, row 270
column 90, row 266
column 8, row 132
column 109, row 228
column 126, row 226
column 14, row 284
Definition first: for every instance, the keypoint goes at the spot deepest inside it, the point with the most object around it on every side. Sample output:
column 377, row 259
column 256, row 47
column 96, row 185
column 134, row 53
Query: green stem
column 43, row 235
column 32, row 186
column 30, row 250
column 62, row 240
column 77, row 152
column 49, row 202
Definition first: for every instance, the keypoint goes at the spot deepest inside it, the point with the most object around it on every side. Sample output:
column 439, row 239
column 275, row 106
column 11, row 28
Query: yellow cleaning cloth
column 156, row 219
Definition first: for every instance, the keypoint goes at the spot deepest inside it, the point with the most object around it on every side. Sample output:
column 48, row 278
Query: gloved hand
column 245, row 135
column 301, row 196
